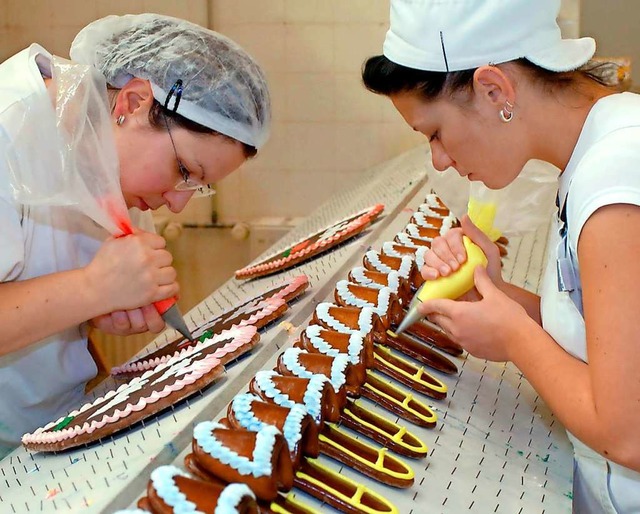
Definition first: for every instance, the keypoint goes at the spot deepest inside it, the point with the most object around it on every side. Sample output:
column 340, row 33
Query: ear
column 492, row 84
column 134, row 100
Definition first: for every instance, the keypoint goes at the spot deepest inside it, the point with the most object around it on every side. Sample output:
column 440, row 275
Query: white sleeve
column 609, row 173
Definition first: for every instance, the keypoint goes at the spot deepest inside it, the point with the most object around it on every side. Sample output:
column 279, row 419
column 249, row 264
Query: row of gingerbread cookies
column 270, row 385
column 312, row 335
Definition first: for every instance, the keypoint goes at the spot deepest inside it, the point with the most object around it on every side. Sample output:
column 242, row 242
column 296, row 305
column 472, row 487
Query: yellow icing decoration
column 408, row 474
column 408, row 398
column 398, row 437
column 291, row 500
column 357, row 496
column 416, row 377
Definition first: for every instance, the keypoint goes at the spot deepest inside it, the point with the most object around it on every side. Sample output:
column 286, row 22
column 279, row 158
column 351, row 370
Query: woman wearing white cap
column 491, row 84
column 184, row 107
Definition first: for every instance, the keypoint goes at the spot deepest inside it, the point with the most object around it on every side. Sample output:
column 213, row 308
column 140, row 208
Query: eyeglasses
column 187, row 182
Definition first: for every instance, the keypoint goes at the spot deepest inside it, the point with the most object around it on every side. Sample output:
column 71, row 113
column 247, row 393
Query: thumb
column 482, row 281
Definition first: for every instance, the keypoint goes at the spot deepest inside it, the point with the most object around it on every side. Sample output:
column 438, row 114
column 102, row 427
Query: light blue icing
column 388, row 249
column 404, row 239
column 260, row 462
column 290, row 359
column 322, row 311
column 312, row 399
column 359, row 275
column 354, row 349
column 365, row 320
column 163, row 482
column 420, row 255
column 374, row 259
column 356, row 344
column 380, row 307
column 230, row 498
column 292, row 429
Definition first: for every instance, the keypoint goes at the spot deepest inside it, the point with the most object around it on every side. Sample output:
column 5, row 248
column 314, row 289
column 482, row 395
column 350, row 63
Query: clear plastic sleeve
column 522, row 206
column 64, row 151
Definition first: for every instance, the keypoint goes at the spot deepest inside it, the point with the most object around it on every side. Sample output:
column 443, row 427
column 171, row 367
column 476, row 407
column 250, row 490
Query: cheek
column 145, row 170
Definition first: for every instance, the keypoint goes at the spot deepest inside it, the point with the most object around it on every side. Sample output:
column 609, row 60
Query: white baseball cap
column 453, row 35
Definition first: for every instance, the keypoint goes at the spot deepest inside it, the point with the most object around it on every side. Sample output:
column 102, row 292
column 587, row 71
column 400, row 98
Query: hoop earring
column 120, row 120
column 506, row 113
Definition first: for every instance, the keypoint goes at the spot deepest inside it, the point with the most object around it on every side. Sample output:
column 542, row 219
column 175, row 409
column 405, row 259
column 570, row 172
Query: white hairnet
column 194, row 71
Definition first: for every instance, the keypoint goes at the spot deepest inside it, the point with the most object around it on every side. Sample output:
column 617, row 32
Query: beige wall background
column 327, row 128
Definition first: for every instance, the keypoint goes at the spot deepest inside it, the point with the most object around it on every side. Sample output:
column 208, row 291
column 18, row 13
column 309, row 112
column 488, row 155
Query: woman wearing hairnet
column 184, row 107
column 491, row 85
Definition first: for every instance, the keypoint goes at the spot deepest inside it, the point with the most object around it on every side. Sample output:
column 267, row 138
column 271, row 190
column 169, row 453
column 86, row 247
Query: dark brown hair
column 382, row 76
column 156, row 120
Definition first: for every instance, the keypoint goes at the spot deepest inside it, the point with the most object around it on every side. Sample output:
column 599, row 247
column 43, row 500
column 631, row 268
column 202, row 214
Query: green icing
column 63, row 423
column 206, row 335
column 286, row 253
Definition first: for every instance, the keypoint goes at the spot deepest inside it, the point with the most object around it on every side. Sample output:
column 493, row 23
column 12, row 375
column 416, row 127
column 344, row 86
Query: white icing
column 359, row 275
column 322, row 312
column 420, row 255
column 231, row 497
column 381, row 306
column 422, row 219
column 374, row 259
column 404, row 239
column 388, row 249
column 260, row 463
column 447, row 223
column 291, row 359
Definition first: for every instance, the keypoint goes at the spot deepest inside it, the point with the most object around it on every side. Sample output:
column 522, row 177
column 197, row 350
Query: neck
column 558, row 119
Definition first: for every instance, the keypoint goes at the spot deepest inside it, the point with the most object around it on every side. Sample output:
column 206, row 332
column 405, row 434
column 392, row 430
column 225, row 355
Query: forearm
column 33, row 309
column 566, row 385
column 530, row 301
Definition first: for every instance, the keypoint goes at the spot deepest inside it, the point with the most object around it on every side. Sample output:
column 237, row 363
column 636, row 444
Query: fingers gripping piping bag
column 482, row 209
column 74, row 162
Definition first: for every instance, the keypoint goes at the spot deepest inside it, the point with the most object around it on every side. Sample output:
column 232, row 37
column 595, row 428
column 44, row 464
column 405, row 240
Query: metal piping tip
column 173, row 317
column 412, row 317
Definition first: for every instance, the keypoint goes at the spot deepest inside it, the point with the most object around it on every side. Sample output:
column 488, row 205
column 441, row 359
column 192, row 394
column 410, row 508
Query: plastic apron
column 599, row 485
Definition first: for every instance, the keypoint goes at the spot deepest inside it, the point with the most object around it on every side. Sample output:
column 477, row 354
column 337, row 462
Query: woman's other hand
column 135, row 321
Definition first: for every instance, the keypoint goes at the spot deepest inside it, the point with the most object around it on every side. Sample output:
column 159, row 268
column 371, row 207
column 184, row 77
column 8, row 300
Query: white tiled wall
column 327, row 127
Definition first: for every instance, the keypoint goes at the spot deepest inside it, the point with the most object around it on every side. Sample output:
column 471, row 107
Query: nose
column 439, row 157
column 177, row 200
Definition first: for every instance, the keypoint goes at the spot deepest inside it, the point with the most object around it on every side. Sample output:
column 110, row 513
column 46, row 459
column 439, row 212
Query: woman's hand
column 486, row 328
column 136, row 321
column 130, row 272
column 448, row 253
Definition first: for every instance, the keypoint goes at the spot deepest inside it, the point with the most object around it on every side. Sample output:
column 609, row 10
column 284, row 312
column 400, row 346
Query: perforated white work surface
column 496, row 447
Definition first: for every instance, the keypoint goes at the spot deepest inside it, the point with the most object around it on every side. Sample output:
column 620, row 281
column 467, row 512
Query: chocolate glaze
column 394, row 313
column 204, row 496
column 243, row 442
column 365, row 217
column 276, row 415
column 295, row 388
column 366, row 452
column 349, row 316
column 389, row 364
column 425, row 333
column 415, row 278
column 421, row 353
column 318, row 363
column 334, row 482
column 404, row 288
column 353, row 413
column 340, row 342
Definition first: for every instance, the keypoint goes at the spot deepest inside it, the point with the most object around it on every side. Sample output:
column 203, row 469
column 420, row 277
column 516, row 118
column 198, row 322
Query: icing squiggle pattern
column 292, row 430
column 260, row 463
column 184, row 370
column 338, row 378
column 312, row 399
column 230, row 498
column 163, row 480
column 323, row 314
column 354, row 350
column 381, row 306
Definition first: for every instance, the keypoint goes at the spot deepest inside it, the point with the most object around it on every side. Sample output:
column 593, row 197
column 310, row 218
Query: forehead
column 415, row 109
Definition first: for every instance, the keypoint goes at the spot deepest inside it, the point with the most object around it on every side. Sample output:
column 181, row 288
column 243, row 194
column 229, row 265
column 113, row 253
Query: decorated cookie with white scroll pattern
column 139, row 398
column 259, row 311
column 313, row 244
